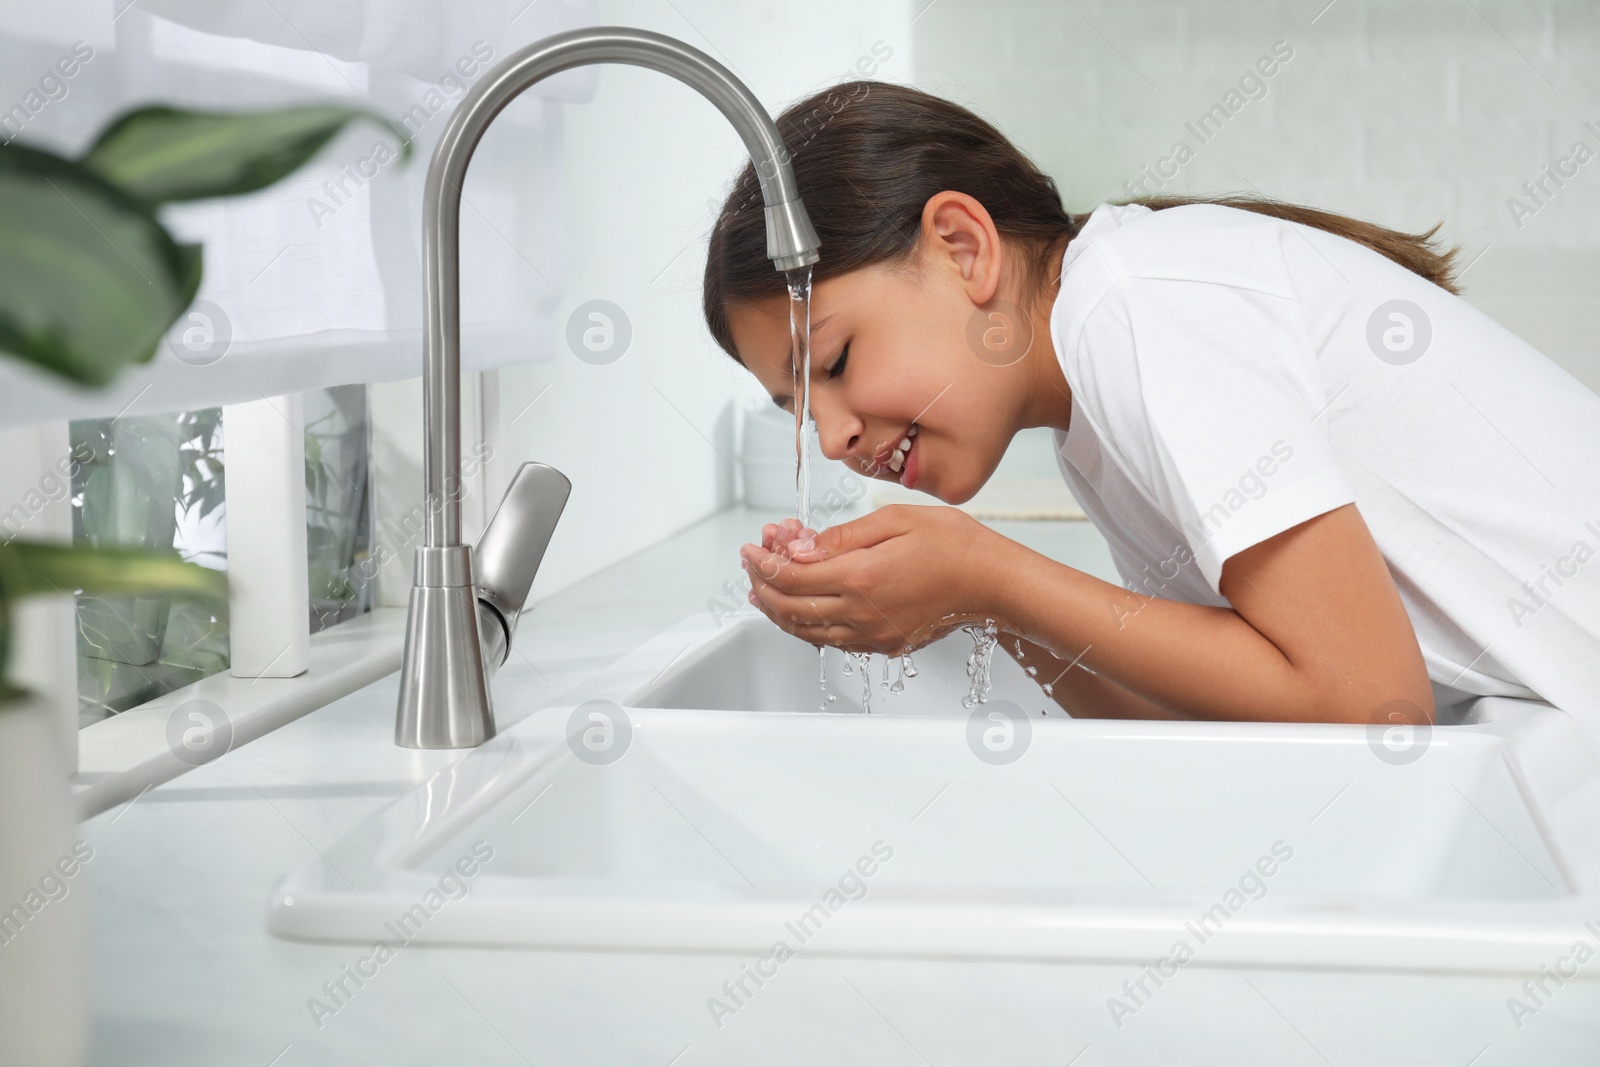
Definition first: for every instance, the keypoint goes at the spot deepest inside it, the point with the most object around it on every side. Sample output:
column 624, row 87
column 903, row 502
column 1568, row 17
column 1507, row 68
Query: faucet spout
column 444, row 690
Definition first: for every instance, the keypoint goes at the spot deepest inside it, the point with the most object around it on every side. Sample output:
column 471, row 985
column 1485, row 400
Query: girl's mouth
column 903, row 459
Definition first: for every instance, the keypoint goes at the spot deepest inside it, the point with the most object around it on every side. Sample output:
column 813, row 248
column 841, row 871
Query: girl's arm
column 1080, row 692
column 1316, row 632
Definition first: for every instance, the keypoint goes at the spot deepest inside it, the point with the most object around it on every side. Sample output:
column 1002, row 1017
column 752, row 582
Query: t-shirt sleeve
column 1209, row 397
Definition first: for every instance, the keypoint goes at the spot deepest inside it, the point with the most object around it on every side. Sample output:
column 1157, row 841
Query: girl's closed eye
column 838, row 364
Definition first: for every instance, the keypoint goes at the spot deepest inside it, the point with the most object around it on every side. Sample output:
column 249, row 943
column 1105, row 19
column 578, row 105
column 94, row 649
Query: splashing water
column 900, row 681
column 984, row 639
column 864, row 661
column 1033, row 671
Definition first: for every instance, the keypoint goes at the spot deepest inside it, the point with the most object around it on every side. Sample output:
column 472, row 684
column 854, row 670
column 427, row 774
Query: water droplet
column 822, row 675
column 864, row 662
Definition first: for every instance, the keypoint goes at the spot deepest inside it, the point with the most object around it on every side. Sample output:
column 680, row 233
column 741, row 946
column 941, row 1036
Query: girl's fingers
column 798, row 578
column 787, row 534
column 872, row 528
column 836, row 635
column 814, row 621
column 761, row 566
column 790, row 611
column 779, row 533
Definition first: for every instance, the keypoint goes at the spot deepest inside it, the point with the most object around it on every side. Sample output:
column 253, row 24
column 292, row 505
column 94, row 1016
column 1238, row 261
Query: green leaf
column 89, row 279
column 29, row 568
column 162, row 154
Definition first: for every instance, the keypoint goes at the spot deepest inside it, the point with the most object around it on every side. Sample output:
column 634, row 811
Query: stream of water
column 799, row 284
column 800, row 340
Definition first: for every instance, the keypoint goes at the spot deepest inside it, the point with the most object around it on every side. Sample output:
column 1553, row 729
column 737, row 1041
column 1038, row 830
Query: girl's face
column 918, row 352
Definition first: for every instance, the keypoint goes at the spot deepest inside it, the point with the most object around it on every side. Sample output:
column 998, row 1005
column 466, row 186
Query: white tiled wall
column 1403, row 112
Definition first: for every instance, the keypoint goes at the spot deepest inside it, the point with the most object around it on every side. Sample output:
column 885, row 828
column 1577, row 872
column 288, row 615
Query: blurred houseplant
column 90, row 282
column 134, row 475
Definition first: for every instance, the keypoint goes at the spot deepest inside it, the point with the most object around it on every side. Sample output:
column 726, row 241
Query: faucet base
column 444, row 694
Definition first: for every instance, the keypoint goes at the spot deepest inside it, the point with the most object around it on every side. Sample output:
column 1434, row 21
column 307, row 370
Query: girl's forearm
column 1193, row 660
column 1079, row 691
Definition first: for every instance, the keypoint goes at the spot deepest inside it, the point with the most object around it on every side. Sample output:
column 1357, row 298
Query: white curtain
column 315, row 281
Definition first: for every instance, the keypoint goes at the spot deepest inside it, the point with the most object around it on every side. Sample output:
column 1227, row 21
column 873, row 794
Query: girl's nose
column 838, row 432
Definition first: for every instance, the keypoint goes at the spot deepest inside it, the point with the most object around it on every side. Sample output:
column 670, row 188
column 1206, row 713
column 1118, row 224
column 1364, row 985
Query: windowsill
column 120, row 758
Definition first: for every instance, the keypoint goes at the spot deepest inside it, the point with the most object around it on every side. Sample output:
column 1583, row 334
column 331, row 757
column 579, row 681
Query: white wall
column 640, row 437
column 1403, row 112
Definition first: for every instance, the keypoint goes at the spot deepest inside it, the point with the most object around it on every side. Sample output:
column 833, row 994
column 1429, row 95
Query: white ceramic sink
column 737, row 816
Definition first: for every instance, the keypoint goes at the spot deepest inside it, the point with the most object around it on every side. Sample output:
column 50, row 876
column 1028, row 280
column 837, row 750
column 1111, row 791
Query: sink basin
column 748, row 664
column 728, row 814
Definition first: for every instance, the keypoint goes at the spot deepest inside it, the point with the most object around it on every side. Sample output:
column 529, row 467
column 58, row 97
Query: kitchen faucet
column 465, row 602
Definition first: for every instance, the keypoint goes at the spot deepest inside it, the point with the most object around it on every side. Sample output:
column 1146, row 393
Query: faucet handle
column 508, row 555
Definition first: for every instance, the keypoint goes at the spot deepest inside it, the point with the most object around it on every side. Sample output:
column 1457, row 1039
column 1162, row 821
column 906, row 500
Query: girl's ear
column 960, row 239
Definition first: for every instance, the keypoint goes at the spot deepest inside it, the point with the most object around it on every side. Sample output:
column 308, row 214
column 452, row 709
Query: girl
column 1334, row 490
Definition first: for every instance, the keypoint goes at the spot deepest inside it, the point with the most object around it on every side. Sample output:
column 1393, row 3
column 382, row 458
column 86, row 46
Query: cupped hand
column 776, row 539
column 777, row 536
column 889, row 582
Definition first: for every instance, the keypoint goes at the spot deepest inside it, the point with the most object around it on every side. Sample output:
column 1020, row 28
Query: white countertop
column 185, row 972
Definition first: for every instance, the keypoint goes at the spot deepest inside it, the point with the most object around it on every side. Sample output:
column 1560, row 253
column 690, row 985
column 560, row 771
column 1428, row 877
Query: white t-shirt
column 1234, row 375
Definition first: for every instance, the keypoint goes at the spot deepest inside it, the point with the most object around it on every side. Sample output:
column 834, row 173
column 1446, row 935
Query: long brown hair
column 868, row 156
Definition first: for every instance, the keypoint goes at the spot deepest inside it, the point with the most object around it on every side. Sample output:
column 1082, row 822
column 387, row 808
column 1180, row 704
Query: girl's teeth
column 897, row 457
